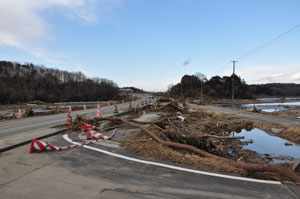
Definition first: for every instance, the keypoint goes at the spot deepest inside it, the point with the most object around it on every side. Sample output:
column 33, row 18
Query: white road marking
column 66, row 137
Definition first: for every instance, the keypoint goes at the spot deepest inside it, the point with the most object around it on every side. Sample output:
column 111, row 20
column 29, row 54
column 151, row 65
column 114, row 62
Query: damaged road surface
column 19, row 130
column 84, row 173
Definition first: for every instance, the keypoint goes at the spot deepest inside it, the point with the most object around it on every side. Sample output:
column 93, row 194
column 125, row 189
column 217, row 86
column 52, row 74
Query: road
column 88, row 173
column 251, row 115
column 16, row 131
column 85, row 173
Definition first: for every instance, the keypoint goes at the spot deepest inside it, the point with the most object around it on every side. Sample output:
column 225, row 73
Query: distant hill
column 135, row 90
column 28, row 82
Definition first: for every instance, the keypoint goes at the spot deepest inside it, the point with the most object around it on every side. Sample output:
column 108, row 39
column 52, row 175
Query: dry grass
column 153, row 150
column 141, row 145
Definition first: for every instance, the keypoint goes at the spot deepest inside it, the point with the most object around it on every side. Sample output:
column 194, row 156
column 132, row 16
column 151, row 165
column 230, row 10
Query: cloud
column 286, row 73
column 22, row 25
column 187, row 62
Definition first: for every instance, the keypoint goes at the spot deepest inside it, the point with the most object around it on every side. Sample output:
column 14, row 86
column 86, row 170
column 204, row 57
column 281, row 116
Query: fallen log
column 275, row 168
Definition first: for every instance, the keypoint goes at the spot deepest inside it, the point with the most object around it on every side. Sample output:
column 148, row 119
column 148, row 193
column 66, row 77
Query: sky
column 151, row 44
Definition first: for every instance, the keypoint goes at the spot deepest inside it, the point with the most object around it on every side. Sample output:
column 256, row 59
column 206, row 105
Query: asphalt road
column 251, row 115
column 84, row 173
column 18, row 130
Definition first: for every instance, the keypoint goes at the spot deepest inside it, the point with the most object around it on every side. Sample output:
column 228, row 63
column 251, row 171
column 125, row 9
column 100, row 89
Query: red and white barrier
column 85, row 127
column 96, row 135
column 99, row 115
column 38, row 146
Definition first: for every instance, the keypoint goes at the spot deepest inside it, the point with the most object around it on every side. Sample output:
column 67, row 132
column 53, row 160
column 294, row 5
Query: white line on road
column 66, row 137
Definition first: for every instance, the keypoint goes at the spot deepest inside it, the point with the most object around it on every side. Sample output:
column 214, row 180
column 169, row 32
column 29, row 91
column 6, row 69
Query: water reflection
column 269, row 144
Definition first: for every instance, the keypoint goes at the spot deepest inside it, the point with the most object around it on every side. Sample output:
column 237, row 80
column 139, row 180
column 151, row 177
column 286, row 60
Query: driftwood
column 275, row 168
column 177, row 128
column 158, row 127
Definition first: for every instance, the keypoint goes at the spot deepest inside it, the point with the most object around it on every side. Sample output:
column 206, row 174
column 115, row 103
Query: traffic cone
column 20, row 114
column 70, row 109
column 84, row 107
column 108, row 104
column 99, row 115
column 116, row 109
column 69, row 118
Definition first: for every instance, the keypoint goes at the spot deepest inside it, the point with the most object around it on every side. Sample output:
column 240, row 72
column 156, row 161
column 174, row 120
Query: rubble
column 200, row 138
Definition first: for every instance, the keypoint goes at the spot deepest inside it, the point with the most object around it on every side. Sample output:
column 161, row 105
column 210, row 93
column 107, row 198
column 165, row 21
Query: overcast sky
column 151, row 44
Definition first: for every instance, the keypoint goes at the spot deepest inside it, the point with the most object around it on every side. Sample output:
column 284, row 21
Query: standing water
column 265, row 143
column 272, row 107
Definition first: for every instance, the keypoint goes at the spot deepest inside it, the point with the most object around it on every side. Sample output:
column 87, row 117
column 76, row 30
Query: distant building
column 126, row 90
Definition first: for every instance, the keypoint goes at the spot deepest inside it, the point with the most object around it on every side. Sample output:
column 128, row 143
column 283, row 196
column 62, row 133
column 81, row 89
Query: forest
column 221, row 87
column 28, row 82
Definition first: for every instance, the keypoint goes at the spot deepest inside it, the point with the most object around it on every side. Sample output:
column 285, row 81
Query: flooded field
column 272, row 107
column 270, row 146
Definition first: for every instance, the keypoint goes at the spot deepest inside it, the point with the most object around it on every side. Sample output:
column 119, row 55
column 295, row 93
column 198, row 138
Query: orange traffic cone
column 69, row 118
column 70, row 109
column 84, row 107
column 20, row 114
column 99, row 115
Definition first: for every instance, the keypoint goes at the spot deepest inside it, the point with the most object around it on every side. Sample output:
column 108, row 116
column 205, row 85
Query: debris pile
column 201, row 138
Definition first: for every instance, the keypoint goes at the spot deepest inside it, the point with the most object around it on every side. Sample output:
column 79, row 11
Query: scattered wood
column 158, row 127
column 275, row 168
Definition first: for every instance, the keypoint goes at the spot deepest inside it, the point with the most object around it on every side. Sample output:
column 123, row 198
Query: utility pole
column 233, row 71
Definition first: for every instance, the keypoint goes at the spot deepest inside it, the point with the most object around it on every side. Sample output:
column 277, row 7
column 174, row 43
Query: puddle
column 265, row 143
column 272, row 107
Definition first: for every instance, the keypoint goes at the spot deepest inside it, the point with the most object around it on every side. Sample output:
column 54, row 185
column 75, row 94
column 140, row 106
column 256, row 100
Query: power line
column 280, row 37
